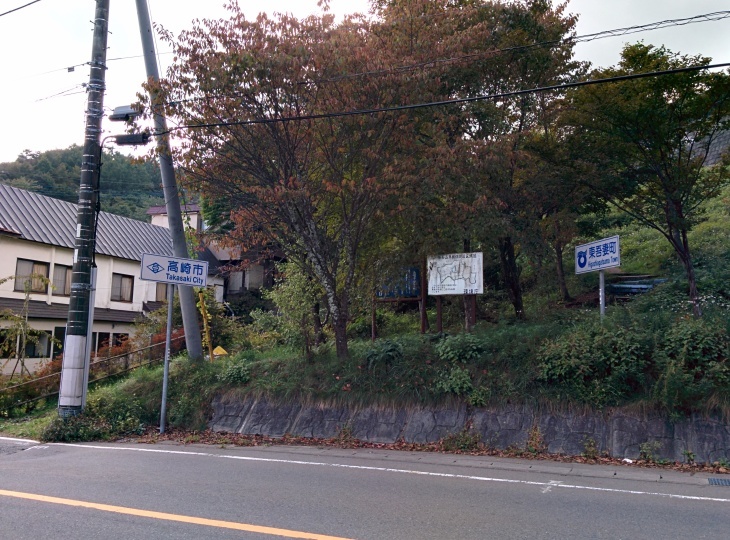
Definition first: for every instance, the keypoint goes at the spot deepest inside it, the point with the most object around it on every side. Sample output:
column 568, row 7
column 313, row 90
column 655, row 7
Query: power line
column 19, row 8
column 379, row 110
column 714, row 16
column 69, row 92
column 707, row 17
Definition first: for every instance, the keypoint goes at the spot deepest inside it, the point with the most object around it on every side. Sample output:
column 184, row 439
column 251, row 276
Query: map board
column 456, row 273
column 605, row 253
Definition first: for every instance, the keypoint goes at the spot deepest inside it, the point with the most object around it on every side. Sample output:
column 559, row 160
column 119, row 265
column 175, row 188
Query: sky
column 44, row 102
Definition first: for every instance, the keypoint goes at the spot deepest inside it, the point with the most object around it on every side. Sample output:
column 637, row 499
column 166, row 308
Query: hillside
column 128, row 187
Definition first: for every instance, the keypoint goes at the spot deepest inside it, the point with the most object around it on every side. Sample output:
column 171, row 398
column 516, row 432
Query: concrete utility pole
column 172, row 200
column 71, row 395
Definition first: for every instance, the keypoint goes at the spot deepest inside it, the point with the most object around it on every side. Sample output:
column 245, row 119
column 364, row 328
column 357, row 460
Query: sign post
column 168, row 344
column 173, row 271
column 597, row 256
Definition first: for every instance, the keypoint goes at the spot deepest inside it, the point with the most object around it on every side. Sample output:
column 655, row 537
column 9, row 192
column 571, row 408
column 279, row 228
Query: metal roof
column 185, row 208
column 41, row 310
column 38, row 218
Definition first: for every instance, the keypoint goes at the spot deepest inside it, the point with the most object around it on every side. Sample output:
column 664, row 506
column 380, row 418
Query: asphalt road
column 122, row 491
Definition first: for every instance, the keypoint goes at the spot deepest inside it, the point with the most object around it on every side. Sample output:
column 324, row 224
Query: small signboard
column 174, row 270
column 456, row 273
column 598, row 255
column 407, row 285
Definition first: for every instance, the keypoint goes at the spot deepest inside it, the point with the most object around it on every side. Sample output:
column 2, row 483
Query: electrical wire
column 65, row 93
column 707, row 17
column 19, row 8
column 379, row 110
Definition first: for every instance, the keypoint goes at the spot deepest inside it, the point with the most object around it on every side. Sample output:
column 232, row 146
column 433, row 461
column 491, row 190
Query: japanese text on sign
column 455, row 273
column 174, row 270
column 605, row 253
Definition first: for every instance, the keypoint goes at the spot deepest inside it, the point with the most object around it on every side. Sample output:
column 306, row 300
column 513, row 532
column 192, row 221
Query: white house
column 37, row 236
column 243, row 271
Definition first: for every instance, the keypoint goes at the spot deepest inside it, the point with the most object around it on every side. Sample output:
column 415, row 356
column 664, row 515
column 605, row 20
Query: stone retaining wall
column 618, row 431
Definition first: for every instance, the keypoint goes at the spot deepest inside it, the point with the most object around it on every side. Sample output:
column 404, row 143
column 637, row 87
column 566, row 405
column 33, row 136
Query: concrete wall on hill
column 618, row 431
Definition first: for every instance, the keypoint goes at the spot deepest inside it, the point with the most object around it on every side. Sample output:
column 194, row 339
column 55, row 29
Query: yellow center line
column 171, row 517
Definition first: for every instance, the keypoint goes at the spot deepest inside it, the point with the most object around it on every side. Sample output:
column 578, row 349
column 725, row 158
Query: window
column 161, row 292
column 122, row 287
column 59, row 334
column 40, row 348
column 62, row 280
column 34, row 274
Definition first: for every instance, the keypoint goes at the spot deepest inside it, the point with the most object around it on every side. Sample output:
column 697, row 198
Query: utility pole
column 172, row 200
column 71, row 395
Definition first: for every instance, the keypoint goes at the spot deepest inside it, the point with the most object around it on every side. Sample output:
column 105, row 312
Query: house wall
column 53, row 326
column 191, row 220
column 14, row 249
column 254, row 277
column 142, row 291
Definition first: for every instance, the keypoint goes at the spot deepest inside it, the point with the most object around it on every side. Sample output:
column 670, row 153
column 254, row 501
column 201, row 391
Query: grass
column 30, row 426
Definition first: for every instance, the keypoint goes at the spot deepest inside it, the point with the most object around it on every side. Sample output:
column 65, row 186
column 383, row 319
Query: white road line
column 10, row 439
column 551, row 484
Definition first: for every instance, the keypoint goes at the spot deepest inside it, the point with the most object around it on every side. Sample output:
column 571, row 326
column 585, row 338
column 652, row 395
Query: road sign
column 174, row 270
column 455, row 273
column 598, row 255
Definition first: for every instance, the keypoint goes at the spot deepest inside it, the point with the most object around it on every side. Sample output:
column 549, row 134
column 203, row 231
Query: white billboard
column 598, row 255
column 455, row 273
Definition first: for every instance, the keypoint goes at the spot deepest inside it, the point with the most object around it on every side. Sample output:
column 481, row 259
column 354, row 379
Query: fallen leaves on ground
column 345, row 441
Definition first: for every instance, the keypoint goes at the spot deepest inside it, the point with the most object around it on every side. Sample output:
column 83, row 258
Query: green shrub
column 108, row 413
column 464, row 441
column 235, row 372
column 693, row 364
column 479, row 397
column 74, row 429
column 384, row 354
column 455, row 380
column 461, row 348
column 595, row 364
column 190, row 393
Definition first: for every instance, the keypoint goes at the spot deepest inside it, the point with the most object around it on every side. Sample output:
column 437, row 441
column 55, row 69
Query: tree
column 648, row 141
column 128, row 187
column 312, row 187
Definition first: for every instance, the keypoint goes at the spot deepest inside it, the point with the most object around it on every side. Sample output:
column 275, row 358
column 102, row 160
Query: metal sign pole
column 168, row 341
column 602, row 293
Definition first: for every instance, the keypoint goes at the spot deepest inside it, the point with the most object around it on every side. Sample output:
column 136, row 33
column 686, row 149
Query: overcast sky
column 43, row 103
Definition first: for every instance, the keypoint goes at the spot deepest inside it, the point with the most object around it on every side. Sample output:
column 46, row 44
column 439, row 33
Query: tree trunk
column 318, row 326
column 511, row 274
column 339, row 325
column 469, row 299
column 686, row 258
column 564, row 294
column 678, row 238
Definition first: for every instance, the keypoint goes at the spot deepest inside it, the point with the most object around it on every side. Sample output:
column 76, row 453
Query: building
column 238, row 271
column 37, row 237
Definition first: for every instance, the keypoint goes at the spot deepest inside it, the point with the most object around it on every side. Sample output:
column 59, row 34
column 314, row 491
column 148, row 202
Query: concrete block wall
column 620, row 432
